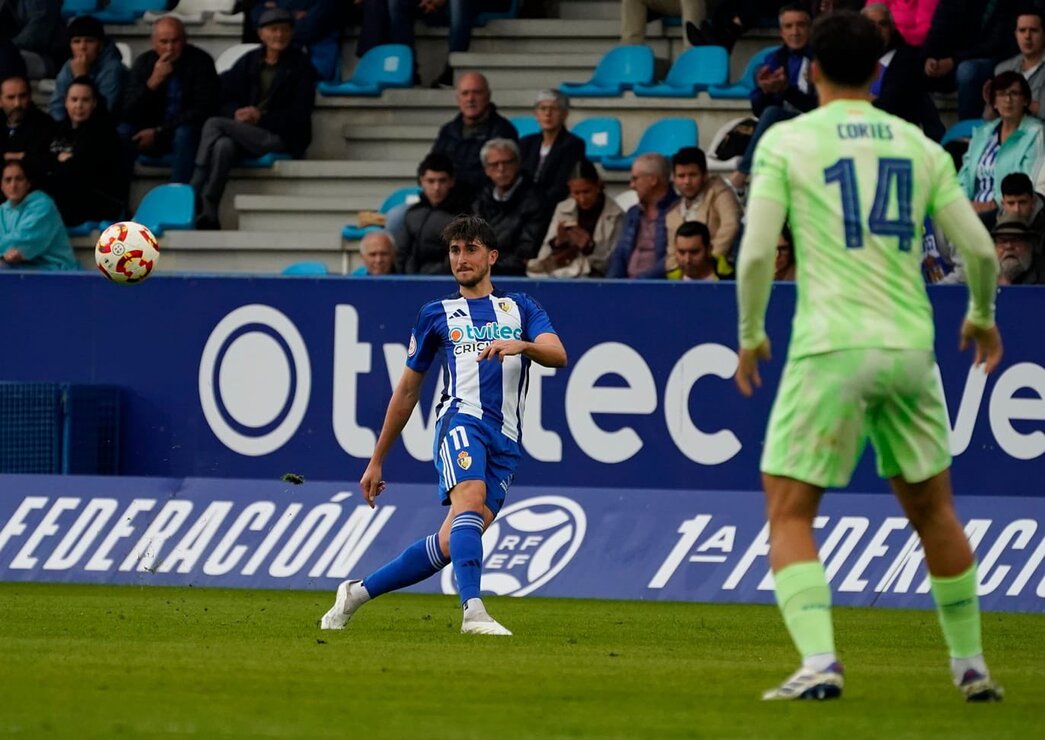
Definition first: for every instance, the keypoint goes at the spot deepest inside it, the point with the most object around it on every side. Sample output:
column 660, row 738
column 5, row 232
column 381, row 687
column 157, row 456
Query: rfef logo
column 528, row 544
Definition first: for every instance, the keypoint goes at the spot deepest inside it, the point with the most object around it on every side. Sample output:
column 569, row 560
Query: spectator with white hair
column 549, row 155
column 643, row 246
column 511, row 206
column 377, row 250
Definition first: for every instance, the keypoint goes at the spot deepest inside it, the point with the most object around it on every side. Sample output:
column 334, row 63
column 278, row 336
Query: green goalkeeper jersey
column 857, row 185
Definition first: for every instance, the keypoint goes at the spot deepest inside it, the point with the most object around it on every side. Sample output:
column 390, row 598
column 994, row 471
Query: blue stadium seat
column 128, row 11
column 525, row 125
column 742, row 88
column 306, row 268
column 71, row 8
column 620, row 69
column 601, row 137
column 83, row 229
column 395, row 198
column 696, row 70
column 961, row 130
column 265, row 160
column 383, row 67
column 511, row 11
column 666, row 137
column 171, row 206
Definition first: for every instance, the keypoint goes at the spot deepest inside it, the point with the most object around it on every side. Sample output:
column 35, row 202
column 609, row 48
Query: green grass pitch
column 101, row 661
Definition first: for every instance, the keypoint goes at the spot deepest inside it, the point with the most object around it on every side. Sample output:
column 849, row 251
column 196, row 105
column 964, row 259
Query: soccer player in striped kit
column 486, row 340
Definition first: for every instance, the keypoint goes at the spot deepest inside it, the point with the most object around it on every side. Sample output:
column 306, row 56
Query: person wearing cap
column 266, row 106
column 549, row 155
column 1014, row 242
column 92, row 55
column 173, row 90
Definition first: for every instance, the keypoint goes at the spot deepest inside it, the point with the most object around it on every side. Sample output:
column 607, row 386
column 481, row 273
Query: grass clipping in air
column 124, row 660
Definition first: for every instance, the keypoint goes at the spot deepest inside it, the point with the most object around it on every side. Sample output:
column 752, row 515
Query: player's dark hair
column 584, row 170
column 469, row 229
column 846, row 47
column 690, row 155
column 436, row 162
column 1004, row 81
column 689, row 229
column 1017, row 183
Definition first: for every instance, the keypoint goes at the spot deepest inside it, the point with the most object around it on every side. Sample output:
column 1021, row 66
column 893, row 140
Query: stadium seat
column 512, row 11
column 72, row 8
column 125, row 53
column 193, row 11
column 231, row 55
column 525, row 125
column 83, row 229
column 696, row 70
column 265, row 160
column 306, row 268
column 961, row 130
column 714, row 163
column 666, row 137
column 742, row 88
column 170, row 206
column 128, row 11
column 620, row 69
column 601, row 137
column 383, row 67
column 398, row 197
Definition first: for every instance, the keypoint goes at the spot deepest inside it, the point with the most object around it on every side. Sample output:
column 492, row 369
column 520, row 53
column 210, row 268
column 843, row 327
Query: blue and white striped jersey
column 458, row 329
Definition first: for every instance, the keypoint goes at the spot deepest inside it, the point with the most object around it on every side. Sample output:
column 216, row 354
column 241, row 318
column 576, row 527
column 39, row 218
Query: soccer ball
column 127, row 252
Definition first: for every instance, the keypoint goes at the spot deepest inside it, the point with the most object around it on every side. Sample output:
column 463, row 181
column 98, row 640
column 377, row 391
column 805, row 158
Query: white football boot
column 477, row 621
column 350, row 596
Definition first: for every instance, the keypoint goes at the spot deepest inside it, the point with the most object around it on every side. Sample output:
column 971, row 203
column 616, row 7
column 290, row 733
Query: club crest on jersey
column 412, row 347
column 464, row 460
column 505, row 306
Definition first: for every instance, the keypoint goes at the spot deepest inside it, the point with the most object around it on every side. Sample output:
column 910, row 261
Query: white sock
column 960, row 665
column 819, row 662
column 475, row 609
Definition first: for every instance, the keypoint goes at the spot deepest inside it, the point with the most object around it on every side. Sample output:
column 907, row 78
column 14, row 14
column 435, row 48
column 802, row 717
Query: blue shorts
column 468, row 449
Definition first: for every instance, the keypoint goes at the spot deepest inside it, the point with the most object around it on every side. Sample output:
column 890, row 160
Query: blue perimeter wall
column 230, row 382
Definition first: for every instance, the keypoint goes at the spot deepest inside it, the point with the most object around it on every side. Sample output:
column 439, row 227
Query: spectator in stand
column 1013, row 144
column 1018, row 197
column 966, row 39
column 784, row 266
column 550, row 155
column 462, row 138
column 84, row 176
column 422, row 249
column 634, row 15
column 583, row 232
column 511, row 206
column 641, row 251
column 692, row 249
column 707, row 199
column 899, row 87
column 266, row 106
column 173, row 89
column 94, row 56
column 32, row 235
column 783, row 89
column 1030, row 38
column 27, row 131
column 317, row 30
column 35, row 27
column 912, row 18
column 1014, row 241
column 378, row 252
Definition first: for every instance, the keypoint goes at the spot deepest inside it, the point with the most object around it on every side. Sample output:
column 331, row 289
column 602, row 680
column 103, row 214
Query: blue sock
column 414, row 564
column 466, row 552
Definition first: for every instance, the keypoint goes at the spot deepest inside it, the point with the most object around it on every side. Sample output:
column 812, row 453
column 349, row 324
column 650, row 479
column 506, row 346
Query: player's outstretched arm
column 401, row 405
column 546, row 349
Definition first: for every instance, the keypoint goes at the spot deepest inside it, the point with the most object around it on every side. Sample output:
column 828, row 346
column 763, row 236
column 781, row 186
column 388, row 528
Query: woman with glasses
column 1012, row 143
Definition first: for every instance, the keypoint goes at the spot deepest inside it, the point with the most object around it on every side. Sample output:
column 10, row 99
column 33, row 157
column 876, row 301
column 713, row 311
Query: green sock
column 958, row 608
column 805, row 601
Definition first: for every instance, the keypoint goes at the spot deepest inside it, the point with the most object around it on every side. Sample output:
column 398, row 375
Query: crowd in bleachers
column 542, row 192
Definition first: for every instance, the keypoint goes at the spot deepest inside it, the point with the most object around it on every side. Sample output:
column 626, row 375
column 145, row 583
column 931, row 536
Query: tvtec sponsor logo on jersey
column 528, row 545
column 469, row 338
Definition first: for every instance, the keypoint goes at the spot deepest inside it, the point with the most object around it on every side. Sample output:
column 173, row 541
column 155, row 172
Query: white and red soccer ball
column 127, row 252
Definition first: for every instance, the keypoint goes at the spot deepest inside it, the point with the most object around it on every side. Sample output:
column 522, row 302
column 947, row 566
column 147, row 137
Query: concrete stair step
column 528, row 72
column 300, row 213
column 589, row 10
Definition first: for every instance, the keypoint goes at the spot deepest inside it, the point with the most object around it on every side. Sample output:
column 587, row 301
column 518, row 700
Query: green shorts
column 828, row 405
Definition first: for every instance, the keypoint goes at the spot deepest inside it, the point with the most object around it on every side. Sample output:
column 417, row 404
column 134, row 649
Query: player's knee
column 469, row 495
